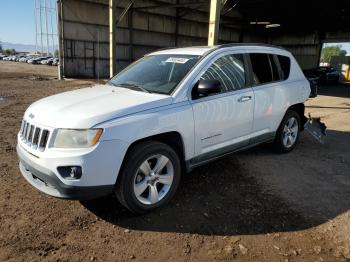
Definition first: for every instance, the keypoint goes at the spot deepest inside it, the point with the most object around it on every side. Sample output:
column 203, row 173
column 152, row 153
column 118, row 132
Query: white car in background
column 47, row 61
column 7, row 58
column 55, row 62
column 166, row 113
column 25, row 59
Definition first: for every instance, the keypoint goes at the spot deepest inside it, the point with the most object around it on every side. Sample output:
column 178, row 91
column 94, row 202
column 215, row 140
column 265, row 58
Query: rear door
column 223, row 121
column 269, row 100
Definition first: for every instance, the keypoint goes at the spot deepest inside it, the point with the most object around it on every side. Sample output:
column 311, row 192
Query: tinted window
column 261, row 69
column 285, row 65
column 275, row 74
column 229, row 70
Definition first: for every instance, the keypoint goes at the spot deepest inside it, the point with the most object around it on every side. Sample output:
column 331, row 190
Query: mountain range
column 21, row 47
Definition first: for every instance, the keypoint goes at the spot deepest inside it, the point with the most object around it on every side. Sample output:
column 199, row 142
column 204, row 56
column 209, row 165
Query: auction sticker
column 178, row 60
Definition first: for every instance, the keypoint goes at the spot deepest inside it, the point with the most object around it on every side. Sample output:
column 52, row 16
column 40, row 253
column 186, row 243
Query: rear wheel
column 149, row 178
column 288, row 132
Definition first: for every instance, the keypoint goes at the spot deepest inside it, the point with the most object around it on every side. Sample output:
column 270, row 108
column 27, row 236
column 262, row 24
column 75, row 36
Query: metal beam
column 131, row 38
column 125, row 11
column 170, row 5
column 214, row 20
column 60, row 28
column 177, row 23
column 112, row 38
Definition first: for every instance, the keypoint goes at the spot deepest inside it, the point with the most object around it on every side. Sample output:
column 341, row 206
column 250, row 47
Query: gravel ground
column 251, row 206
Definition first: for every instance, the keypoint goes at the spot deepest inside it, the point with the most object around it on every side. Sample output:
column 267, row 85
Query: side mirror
column 208, row 87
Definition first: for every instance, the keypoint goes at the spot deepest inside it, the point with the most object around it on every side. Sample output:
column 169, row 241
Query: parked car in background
column 329, row 75
column 314, row 81
column 170, row 111
column 19, row 57
column 47, row 61
column 31, row 60
column 323, row 75
column 37, row 60
column 55, row 62
column 2, row 57
column 25, row 59
column 8, row 58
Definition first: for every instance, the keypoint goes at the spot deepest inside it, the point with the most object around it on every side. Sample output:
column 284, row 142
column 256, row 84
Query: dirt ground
column 251, row 206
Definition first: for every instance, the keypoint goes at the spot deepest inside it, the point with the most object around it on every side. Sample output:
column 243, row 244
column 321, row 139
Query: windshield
column 155, row 73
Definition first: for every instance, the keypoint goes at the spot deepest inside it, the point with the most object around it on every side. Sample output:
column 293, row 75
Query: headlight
column 75, row 138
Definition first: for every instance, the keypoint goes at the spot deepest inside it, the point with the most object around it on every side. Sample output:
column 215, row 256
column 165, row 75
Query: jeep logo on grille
column 31, row 116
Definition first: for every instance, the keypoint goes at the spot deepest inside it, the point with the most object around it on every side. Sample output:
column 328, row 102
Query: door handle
column 244, row 98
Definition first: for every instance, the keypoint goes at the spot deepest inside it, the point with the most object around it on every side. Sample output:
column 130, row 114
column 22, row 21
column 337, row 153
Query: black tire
column 279, row 145
column 139, row 153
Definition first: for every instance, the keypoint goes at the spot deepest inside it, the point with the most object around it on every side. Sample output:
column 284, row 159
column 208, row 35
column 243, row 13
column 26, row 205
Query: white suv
column 167, row 113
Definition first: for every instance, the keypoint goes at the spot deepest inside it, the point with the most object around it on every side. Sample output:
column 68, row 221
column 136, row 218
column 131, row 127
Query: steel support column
column 112, row 37
column 60, row 30
column 214, row 20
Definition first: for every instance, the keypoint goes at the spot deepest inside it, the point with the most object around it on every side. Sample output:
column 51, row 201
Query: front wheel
column 288, row 132
column 149, row 178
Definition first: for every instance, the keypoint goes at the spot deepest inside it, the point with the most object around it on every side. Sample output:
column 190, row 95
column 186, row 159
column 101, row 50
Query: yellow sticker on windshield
column 177, row 60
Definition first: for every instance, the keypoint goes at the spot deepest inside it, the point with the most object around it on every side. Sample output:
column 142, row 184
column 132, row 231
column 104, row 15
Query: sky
column 17, row 22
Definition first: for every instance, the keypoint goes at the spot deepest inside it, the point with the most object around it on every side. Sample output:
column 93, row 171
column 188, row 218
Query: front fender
column 173, row 118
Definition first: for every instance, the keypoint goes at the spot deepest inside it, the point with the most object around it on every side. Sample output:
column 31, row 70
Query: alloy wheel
column 153, row 179
column 290, row 132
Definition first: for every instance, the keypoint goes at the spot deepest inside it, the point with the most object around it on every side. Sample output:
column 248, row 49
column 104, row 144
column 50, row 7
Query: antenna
column 36, row 27
column 45, row 26
column 47, row 29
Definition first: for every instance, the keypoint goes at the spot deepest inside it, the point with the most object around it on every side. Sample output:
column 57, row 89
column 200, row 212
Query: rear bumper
column 47, row 182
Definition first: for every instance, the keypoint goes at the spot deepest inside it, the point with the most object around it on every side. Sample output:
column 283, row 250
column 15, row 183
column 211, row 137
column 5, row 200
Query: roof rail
column 248, row 44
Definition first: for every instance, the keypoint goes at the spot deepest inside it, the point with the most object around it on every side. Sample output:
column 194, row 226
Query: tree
column 7, row 51
column 0, row 47
column 330, row 51
column 56, row 53
column 343, row 53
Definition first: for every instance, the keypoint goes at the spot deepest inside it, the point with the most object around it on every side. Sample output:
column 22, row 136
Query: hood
column 87, row 107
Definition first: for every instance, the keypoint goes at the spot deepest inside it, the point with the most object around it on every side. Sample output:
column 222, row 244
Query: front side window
column 229, row 70
column 156, row 73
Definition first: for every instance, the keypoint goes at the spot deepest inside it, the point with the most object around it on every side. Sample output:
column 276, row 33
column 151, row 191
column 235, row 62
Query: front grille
column 34, row 136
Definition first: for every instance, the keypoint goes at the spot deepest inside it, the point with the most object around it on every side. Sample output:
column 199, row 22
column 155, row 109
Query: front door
column 223, row 121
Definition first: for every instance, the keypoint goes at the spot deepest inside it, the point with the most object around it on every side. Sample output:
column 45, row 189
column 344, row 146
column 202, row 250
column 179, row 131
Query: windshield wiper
column 133, row 87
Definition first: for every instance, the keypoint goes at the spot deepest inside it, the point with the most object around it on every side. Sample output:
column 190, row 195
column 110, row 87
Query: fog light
column 70, row 172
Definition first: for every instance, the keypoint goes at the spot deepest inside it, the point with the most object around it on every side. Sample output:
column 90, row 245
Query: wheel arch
column 171, row 138
column 300, row 110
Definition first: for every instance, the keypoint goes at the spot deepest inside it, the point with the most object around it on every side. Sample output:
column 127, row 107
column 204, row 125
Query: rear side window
column 261, row 69
column 275, row 73
column 285, row 66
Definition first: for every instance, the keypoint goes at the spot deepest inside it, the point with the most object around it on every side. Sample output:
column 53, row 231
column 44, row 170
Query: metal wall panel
column 86, row 33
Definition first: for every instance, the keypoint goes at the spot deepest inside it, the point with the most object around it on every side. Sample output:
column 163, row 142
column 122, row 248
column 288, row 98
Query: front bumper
column 51, row 185
column 100, row 170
